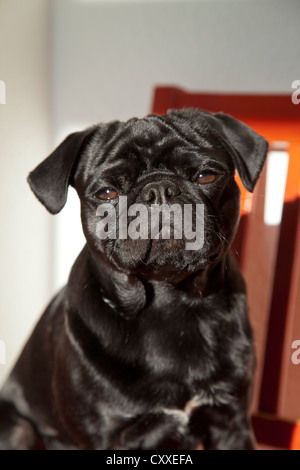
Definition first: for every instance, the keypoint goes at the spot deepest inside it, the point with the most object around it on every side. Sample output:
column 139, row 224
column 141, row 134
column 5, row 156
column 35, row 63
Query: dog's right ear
column 50, row 179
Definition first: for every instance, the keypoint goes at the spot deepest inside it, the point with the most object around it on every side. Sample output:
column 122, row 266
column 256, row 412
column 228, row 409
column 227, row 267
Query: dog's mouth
column 163, row 260
column 175, row 272
column 168, row 250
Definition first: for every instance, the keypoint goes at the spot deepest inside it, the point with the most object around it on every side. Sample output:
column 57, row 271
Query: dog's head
column 182, row 161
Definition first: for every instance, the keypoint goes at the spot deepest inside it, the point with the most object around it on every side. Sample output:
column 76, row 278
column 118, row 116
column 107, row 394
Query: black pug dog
column 149, row 345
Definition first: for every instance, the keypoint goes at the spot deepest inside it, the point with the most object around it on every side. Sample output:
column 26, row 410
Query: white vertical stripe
column 277, row 167
column 68, row 239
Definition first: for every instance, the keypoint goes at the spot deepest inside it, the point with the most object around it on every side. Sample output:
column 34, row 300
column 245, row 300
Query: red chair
column 269, row 256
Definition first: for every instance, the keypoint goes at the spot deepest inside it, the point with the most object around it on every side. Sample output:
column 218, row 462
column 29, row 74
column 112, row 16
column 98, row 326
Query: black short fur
column 149, row 345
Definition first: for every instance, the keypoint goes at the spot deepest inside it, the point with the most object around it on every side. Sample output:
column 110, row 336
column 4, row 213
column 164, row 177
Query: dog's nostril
column 169, row 192
column 149, row 195
column 172, row 190
column 159, row 192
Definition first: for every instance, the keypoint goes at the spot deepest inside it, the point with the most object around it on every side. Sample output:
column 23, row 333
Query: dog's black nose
column 159, row 192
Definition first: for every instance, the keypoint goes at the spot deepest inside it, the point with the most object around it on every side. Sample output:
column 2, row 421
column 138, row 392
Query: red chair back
column 269, row 255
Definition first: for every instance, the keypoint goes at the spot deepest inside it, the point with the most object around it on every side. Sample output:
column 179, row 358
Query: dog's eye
column 206, row 177
column 107, row 194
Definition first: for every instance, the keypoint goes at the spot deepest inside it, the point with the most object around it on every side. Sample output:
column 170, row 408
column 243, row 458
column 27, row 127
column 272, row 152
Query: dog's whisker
column 236, row 252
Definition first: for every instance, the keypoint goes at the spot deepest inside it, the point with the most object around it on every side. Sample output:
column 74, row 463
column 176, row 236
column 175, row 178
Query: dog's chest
column 179, row 341
column 169, row 336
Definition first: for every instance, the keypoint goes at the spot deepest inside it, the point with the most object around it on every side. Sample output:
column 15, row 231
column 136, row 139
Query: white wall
column 25, row 231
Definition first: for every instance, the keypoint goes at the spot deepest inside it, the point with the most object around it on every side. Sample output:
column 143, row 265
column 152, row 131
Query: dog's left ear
column 50, row 179
column 247, row 148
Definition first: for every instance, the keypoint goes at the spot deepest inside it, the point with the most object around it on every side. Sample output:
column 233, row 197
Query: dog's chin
column 161, row 260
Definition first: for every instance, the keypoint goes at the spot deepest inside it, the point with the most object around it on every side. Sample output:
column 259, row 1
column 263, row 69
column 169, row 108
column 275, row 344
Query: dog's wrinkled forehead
column 180, row 139
column 150, row 143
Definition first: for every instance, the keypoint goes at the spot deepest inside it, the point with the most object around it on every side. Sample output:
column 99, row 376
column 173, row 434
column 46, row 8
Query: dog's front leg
column 158, row 430
column 228, row 428
column 16, row 432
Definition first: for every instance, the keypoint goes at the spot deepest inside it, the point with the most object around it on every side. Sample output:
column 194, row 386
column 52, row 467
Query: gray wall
column 108, row 55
